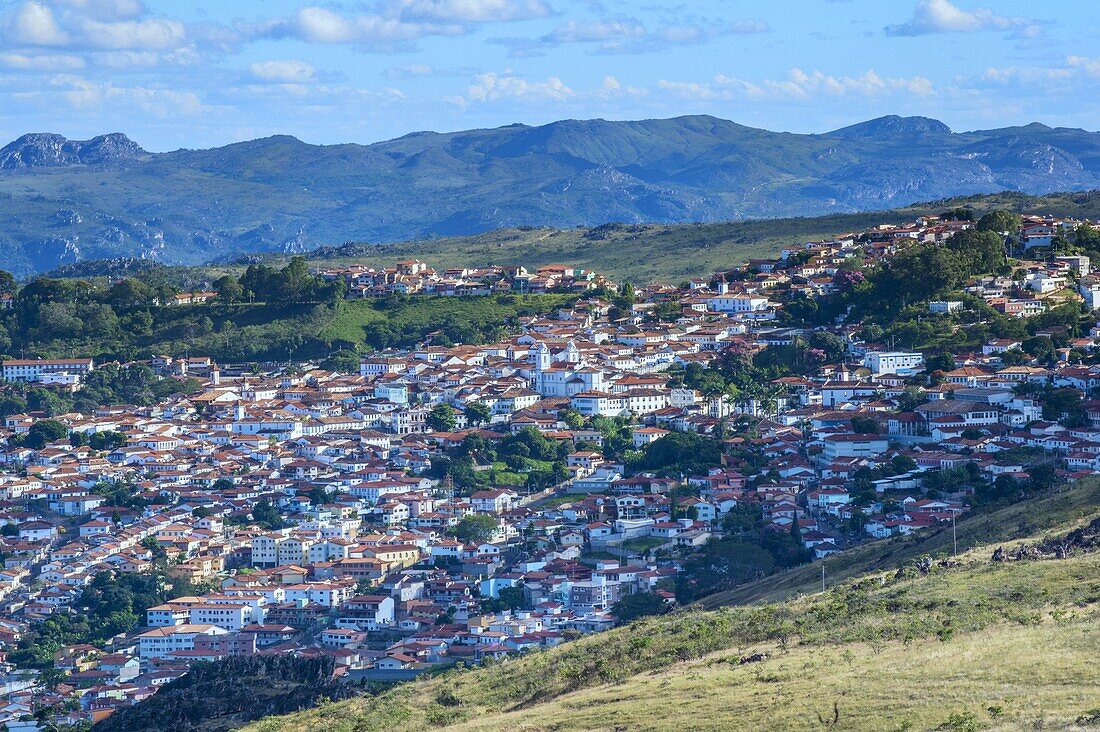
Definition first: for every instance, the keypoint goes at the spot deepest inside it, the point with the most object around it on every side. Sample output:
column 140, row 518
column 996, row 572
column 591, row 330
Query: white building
column 939, row 307
column 34, row 369
column 893, row 362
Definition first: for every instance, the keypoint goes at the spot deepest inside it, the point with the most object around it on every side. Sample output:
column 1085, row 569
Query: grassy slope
column 1047, row 680
column 892, row 651
column 675, row 252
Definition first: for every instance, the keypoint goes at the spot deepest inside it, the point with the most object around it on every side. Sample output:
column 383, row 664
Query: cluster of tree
column 801, row 355
column 132, row 318
column 680, row 453
column 749, row 551
column 862, row 489
column 410, row 320
column 508, row 599
column 294, row 283
column 228, row 693
column 1041, row 477
column 109, row 605
column 920, row 271
column 741, row 377
column 475, row 528
column 473, row 464
column 639, row 605
column 108, row 384
column 911, row 277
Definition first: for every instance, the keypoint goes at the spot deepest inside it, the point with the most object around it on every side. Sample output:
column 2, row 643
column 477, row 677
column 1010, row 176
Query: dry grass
column 1040, row 674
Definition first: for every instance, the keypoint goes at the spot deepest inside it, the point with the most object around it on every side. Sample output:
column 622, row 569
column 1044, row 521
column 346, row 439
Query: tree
column 572, row 418
column 1085, row 235
column 1000, row 221
column 864, row 425
column 686, row 453
column 638, row 605
column 1064, row 405
column 294, row 282
column 475, row 528
column 722, row 565
column 939, row 362
column 7, row 282
column 478, row 413
column 344, row 362
column 44, row 432
column 130, row 293
column 902, row 464
column 442, row 418
column 267, row 516
column 744, row 518
column 980, row 251
column 961, row 213
column 229, row 289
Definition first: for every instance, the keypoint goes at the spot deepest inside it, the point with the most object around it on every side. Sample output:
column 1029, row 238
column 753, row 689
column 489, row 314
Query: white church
column 566, row 375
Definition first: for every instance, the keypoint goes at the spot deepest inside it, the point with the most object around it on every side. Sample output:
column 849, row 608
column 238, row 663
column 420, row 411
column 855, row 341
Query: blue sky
column 196, row 74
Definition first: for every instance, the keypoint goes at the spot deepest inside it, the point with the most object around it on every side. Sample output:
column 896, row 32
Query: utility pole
column 954, row 536
column 822, row 575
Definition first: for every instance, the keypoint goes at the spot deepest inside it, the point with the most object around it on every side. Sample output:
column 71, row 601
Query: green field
column 417, row 315
column 975, row 645
column 644, row 544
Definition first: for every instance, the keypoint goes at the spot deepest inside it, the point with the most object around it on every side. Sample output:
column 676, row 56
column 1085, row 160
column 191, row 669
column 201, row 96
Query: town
column 459, row 503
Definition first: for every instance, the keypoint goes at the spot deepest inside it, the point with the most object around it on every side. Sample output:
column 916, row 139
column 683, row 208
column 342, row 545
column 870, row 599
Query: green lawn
column 643, row 544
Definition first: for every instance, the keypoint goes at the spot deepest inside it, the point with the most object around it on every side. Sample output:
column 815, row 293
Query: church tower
column 542, row 358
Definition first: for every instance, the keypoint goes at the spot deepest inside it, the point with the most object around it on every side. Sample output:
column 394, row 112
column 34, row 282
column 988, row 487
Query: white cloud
column 150, row 34
column 394, row 23
column 1089, row 66
column 321, row 25
column 325, row 26
column 34, row 24
column 942, row 16
column 1027, row 74
column 473, row 11
column 690, row 89
column 801, row 84
column 107, row 10
column 612, row 88
column 284, row 72
column 41, row 62
column 628, row 35
column 798, row 85
column 86, row 95
column 493, row 86
column 597, row 30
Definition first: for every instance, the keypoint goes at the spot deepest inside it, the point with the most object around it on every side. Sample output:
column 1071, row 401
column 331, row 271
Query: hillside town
column 459, row 503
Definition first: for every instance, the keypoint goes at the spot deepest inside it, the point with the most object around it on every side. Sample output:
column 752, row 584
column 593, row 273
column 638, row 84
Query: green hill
column 963, row 645
column 671, row 253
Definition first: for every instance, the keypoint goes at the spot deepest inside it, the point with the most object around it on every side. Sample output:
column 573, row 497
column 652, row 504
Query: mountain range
column 66, row 201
